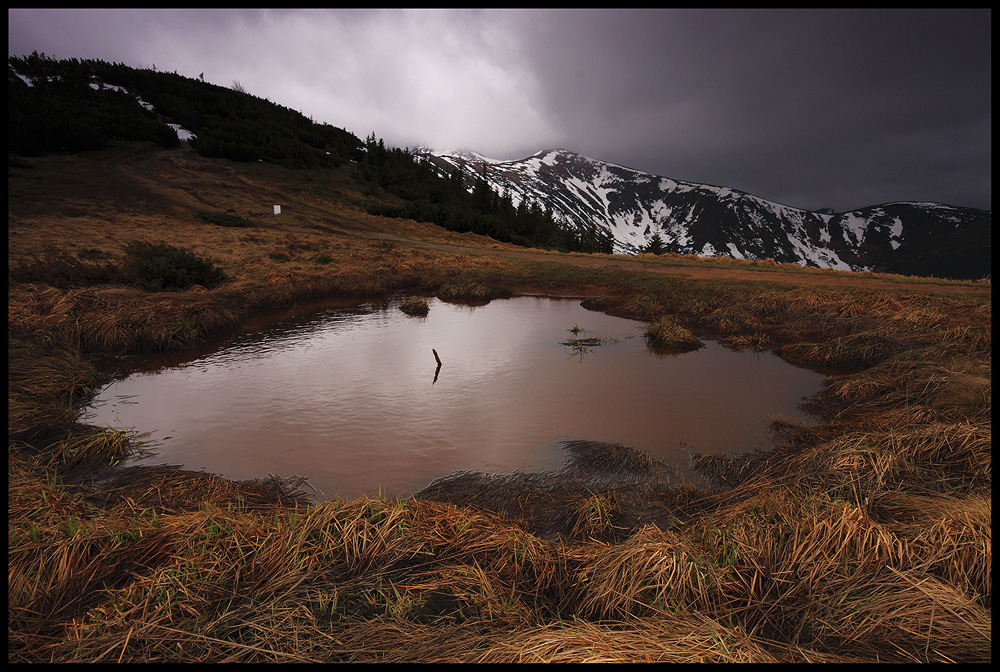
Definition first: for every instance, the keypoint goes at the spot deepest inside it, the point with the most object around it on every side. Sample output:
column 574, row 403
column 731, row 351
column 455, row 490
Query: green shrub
column 156, row 266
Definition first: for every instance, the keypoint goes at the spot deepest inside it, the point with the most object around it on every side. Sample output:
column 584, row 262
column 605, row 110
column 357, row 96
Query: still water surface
column 353, row 399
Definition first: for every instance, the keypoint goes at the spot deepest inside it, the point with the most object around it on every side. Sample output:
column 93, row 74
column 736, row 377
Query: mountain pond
column 352, row 398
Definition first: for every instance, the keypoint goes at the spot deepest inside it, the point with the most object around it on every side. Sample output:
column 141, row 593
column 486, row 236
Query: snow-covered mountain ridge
column 904, row 237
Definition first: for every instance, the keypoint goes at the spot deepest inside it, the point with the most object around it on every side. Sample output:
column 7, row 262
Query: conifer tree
column 655, row 244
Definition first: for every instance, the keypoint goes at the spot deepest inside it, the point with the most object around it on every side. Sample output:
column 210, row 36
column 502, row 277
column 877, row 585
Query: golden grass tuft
column 415, row 306
column 664, row 639
column 924, row 459
column 739, row 342
column 471, row 291
column 593, row 515
column 62, row 373
column 952, row 537
column 651, row 572
column 666, row 333
column 730, row 320
column 356, row 535
column 850, row 352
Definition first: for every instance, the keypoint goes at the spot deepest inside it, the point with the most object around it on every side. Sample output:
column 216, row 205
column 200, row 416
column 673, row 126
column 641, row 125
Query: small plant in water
column 666, row 333
column 415, row 306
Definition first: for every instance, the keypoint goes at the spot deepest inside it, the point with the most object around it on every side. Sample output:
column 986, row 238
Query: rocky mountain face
column 904, row 237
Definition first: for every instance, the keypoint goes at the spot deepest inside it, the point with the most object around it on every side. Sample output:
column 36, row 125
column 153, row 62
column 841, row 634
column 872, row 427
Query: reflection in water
column 341, row 396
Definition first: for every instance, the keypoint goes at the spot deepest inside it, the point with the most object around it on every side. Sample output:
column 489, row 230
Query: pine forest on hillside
column 73, row 105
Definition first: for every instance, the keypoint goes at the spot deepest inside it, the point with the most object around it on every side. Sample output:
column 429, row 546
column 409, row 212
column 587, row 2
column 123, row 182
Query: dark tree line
column 74, row 105
column 59, row 111
column 449, row 202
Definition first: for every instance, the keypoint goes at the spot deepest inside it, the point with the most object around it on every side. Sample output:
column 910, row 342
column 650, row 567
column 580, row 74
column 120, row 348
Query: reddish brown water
column 354, row 401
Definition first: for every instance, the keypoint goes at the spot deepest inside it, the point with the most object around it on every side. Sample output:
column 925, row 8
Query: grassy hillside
column 867, row 537
column 70, row 106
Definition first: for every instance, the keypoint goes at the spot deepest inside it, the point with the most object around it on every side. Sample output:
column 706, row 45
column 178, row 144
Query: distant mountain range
column 910, row 238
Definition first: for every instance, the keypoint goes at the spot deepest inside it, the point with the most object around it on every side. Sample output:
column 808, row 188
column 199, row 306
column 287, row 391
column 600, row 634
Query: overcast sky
column 814, row 109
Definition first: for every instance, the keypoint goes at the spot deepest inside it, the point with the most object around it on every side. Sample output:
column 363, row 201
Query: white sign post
column 277, row 208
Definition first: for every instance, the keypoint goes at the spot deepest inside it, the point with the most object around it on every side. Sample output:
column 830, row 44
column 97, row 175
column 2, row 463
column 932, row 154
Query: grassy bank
column 865, row 537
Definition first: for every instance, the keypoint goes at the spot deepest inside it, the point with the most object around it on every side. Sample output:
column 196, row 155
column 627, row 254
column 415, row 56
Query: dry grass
column 415, row 306
column 864, row 536
column 666, row 333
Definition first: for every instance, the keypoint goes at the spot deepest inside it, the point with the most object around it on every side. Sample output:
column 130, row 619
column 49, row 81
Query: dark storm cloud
column 837, row 108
